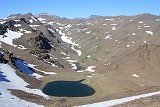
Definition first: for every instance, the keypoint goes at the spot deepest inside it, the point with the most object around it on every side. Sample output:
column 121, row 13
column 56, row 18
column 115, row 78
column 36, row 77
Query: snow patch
column 135, row 75
column 10, row 74
column 9, row 100
column 88, row 32
column 9, row 36
column 146, row 26
column 111, row 19
column 114, row 28
column 134, row 34
column 30, row 20
column 120, row 101
column 17, row 25
column 140, row 22
column 88, row 56
column 2, row 22
column 33, row 67
column 34, row 18
column 157, row 20
column 127, row 46
column 114, row 24
column 69, row 41
column 145, row 41
column 90, row 68
column 149, row 32
column 89, row 76
column 41, row 19
column 108, row 36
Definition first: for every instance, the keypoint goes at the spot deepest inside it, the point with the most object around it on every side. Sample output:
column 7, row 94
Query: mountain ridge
column 116, row 55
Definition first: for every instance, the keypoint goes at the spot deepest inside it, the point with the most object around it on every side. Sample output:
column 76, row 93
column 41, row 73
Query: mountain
column 117, row 56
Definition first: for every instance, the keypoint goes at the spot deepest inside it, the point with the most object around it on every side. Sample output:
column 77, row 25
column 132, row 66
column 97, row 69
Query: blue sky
column 80, row 8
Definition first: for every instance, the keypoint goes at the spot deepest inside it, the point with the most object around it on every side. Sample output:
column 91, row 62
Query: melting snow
column 16, row 82
column 146, row 26
column 33, row 26
column 120, row 101
column 63, row 53
column 69, row 41
column 133, row 33
column 25, row 31
column 33, row 18
column 10, row 36
column 114, row 24
column 88, row 32
column 23, row 66
column 135, row 75
column 89, row 76
column 133, row 42
column 141, row 85
column 90, row 68
column 72, row 63
column 21, row 47
column 140, row 22
column 17, row 25
column 157, row 20
column 68, row 26
column 50, row 63
column 51, row 30
column 41, row 19
column 127, row 46
column 33, row 67
column 31, row 21
column 114, row 28
column 8, row 100
column 108, row 36
column 145, row 41
column 149, row 32
column 2, row 22
column 88, row 56
column 110, row 19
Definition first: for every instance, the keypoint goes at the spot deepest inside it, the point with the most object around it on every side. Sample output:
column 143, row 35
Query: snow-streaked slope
column 8, row 100
column 33, row 67
column 16, row 82
column 120, row 101
column 69, row 41
column 10, row 36
column 23, row 66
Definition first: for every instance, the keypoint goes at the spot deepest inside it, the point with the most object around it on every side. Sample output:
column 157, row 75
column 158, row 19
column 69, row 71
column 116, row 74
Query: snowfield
column 8, row 100
column 119, row 101
column 12, row 81
column 10, row 36
column 10, row 74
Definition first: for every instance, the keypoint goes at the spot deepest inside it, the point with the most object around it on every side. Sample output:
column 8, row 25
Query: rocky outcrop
column 3, row 29
column 40, row 42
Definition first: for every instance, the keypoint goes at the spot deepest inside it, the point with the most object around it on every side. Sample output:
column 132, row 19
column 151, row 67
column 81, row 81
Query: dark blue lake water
column 68, row 89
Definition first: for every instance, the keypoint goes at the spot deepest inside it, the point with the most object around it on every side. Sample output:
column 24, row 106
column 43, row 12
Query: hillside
column 114, row 56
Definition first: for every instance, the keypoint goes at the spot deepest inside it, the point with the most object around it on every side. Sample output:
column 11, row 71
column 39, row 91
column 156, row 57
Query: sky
column 80, row 8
